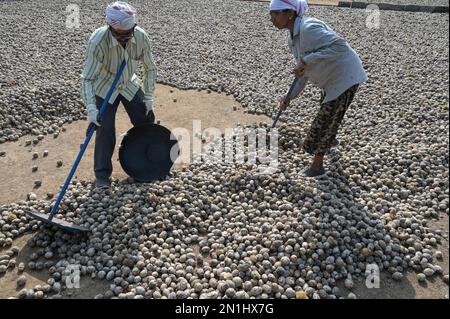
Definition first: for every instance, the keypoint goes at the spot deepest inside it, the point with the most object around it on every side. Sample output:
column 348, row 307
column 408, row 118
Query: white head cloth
column 120, row 15
column 299, row 6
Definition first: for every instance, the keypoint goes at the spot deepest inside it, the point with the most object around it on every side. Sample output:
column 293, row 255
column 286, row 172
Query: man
column 108, row 46
column 328, row 61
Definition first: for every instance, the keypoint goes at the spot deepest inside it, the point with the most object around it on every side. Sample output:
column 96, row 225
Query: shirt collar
column 113, row 42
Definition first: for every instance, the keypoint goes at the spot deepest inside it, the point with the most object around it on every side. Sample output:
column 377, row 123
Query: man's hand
column 148, row 106
column 149, row 111
column 299, row 71
column 93, row 115
column 93, row 120
column 284, row 103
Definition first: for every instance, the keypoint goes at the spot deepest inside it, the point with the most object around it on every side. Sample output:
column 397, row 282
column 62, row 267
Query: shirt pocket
column 136, row 56
column 134, row 53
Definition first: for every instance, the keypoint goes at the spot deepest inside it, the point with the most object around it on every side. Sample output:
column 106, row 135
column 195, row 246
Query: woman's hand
column 299, row 71
column 284, row 103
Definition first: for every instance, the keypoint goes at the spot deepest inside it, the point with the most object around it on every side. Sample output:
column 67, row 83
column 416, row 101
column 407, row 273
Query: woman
column 328, row 61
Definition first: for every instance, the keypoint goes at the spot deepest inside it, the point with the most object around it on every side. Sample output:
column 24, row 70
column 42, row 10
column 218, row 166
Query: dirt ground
column 311, row 2
column 174, row 108
column 409, row 287
column 89, row 288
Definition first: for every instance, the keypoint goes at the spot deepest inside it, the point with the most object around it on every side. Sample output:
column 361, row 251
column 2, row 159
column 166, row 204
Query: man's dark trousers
column 105, row 139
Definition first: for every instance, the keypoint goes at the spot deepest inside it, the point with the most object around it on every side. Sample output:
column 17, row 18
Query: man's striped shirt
column 104, row 57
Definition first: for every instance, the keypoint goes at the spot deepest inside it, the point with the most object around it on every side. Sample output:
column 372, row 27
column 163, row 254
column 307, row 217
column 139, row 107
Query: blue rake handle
column 91, row 131
column 291, row 88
